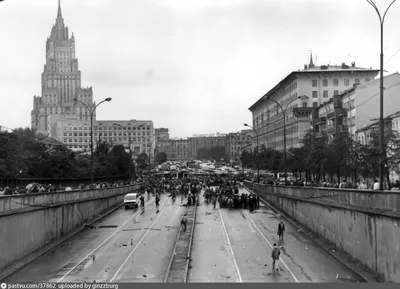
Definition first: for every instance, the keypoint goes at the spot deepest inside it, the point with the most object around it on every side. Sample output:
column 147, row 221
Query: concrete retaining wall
column 28, row 222
column 365, row 224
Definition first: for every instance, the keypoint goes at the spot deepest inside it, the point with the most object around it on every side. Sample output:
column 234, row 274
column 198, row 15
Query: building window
column 314, row 83
column 357, row 81
column 336, row 92
column 325, row 94
column 336, row 82
column 315, row 94
column 304, row 104
column 346, row 82
column 325, row 82
column 367, row 80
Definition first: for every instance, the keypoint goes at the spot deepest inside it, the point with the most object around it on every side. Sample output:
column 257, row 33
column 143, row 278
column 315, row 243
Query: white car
column 131, row 200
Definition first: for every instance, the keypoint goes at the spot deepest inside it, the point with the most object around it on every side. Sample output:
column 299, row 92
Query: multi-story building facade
column 236, row 142
column 352, row 110
column 175, row 149
column 58, row 115
column 135, row 135
column 161, row 134
column 197, row 142
column 296, row 94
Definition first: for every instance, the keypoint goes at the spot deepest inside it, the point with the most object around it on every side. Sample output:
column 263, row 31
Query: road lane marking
column 137, row 245
column 230, row 247
column 283, row 262
column 116, row 231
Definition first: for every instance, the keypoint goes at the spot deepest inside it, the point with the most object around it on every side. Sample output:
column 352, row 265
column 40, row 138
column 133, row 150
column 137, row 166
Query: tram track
column 179, row 265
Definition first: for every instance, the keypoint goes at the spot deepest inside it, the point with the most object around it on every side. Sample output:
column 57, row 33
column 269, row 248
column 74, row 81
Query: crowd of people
column 35, row 188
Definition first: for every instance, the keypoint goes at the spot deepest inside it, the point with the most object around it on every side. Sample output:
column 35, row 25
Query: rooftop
column 376, row 122
column 311, row 68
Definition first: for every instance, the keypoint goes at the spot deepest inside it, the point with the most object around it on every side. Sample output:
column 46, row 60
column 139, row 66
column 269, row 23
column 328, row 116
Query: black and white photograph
column 199, row 141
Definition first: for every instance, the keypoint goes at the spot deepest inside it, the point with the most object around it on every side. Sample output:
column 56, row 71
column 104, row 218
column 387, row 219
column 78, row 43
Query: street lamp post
column 381, row 121
column 284, row 130
column 258, row 167
column 91, row 111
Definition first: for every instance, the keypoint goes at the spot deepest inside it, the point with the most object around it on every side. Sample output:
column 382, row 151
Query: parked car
column 131, row 200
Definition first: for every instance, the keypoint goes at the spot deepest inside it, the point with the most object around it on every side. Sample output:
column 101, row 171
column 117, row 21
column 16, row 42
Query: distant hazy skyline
column 192, row 66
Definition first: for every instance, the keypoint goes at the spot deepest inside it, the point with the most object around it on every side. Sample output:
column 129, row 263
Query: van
column 131, row 200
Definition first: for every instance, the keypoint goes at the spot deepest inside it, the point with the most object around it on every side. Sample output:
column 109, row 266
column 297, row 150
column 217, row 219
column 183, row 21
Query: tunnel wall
column 28, row 222
column 365, row 224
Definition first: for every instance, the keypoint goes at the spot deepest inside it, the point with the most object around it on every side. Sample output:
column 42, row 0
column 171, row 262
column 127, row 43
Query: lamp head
column 108, row 99
column 245, row 124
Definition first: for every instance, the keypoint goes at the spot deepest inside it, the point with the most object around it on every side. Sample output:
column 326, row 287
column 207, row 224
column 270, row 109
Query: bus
column 290, row 177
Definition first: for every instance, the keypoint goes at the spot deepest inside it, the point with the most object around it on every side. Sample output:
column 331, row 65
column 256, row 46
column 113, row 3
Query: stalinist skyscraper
column 61, row 83
column 57, row 115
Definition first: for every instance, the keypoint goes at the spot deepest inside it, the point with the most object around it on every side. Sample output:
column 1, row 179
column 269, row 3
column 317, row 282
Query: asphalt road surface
column 228, row 246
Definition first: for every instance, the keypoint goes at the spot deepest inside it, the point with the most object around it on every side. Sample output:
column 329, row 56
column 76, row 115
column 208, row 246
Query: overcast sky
column 193, row 66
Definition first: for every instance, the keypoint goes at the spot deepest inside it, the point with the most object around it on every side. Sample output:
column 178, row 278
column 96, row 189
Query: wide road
column 228, row 246
column 127, row 246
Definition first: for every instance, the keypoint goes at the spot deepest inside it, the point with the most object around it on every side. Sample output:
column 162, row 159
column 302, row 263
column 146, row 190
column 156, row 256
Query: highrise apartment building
column 296, row 94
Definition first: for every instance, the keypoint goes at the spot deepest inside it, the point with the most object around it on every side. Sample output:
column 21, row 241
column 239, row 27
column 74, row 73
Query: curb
column 45, row 249
column 289, row 219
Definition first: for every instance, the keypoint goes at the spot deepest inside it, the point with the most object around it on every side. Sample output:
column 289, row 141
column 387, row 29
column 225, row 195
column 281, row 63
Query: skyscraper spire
column 311, row 61
column 59, row 14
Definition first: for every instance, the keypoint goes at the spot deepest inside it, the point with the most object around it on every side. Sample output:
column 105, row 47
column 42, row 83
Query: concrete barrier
column 29, row 222
column 365, row 224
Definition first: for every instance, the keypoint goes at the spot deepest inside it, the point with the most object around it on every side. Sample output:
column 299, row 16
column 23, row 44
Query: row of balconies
column 331, row 129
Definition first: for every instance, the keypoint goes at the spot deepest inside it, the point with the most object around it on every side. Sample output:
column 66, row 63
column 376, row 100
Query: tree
column 217, row 153
column 120, row 161
column 369, row 155
column 161, row 157
column 142, row 160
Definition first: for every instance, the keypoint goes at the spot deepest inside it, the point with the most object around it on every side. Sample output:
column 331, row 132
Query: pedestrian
column 376, row 185
column 214, row 201
column 184, row 222
column 281, row 229
column 276, row 252
column 142, row 201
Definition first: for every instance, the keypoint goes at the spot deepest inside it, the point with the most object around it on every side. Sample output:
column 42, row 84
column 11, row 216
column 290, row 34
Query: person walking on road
column 276, row 252
column 184, row 222
column 281, row 229
column 214, row 201
column 142, row 201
